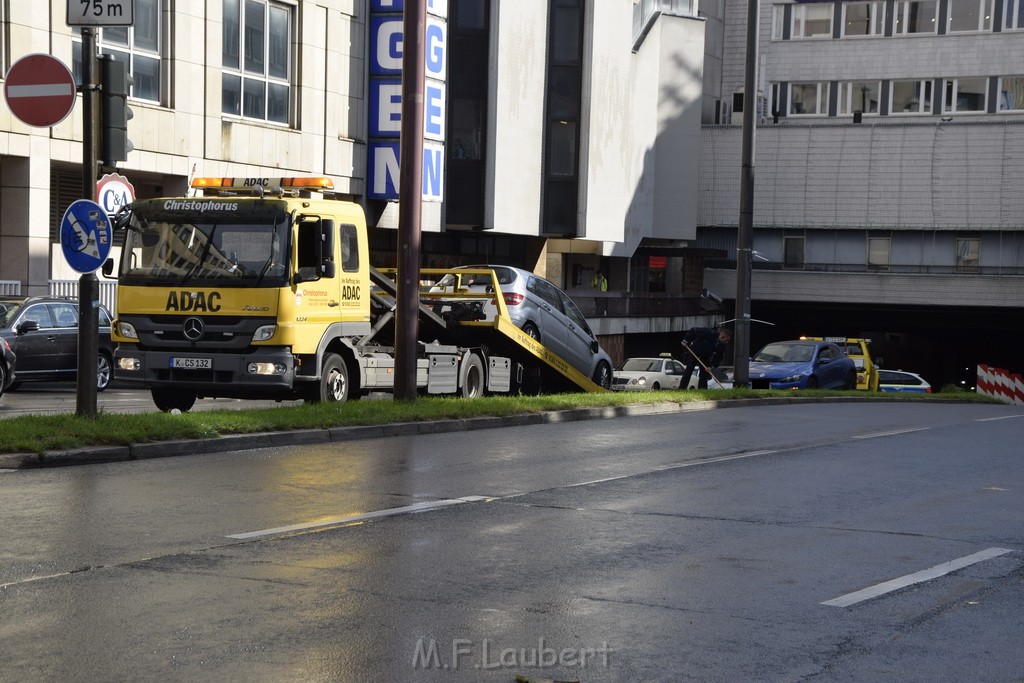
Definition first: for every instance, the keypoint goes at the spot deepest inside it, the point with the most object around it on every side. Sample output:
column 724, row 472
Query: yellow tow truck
column 263, row 288
column 857, row 349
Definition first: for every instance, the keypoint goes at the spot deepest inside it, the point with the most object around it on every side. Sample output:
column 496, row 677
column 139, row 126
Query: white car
column 903, row 382
column 650, row 374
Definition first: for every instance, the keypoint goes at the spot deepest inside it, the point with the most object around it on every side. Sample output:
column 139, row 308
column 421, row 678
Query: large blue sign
column 85, row 236
column 385, row 92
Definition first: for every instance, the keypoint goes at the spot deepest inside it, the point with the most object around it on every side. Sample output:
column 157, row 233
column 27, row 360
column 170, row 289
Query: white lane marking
column 667, row 468
column 892, row 433
column 361, row 517
column 993, row 419
column 917, row 577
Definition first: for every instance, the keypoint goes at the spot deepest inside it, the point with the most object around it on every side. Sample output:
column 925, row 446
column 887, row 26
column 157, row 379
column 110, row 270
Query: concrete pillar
column 25, row 217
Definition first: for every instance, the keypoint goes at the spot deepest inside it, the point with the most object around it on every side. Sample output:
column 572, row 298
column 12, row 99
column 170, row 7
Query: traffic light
column 115, row 82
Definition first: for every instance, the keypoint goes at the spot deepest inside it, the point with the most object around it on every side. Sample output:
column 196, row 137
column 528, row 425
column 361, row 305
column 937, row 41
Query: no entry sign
column 40, row 90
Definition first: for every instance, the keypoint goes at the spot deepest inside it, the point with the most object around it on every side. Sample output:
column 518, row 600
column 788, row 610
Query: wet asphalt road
column 697, row 546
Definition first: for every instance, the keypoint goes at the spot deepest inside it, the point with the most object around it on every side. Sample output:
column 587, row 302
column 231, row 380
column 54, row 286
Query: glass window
column 140, row 46
column 878, row 253
column 911, row 97
column 562, row 155
column 469, row 14
column 916, row 16
column 39, row 313
column 968, row 255
column 808, row 98
column 965, row 95
column 862, row 96
column 466, row 129
column 778, row 21
column 969, row 15
column 349, row 249
column 257, row 58
column 863, row 19
column 1011, row 93
column 1014, row 15
column 812, row 20
column 793, row 252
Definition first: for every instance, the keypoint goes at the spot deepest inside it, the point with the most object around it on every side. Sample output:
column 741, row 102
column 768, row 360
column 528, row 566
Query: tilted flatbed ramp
column 496, row 333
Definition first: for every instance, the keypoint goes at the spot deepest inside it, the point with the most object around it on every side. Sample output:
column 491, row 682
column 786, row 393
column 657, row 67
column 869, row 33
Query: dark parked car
column 43, row 332
column 7, row 365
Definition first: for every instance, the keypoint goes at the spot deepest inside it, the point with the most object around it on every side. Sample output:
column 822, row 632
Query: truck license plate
column 192, row 363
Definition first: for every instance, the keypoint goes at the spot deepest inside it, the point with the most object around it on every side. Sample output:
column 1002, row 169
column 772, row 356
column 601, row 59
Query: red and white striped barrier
column 999, row 383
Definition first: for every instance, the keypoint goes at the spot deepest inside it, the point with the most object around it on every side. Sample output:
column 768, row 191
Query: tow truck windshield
column 204, row 250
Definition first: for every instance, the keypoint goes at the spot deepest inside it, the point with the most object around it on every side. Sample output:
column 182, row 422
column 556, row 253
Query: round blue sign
column 85, row 236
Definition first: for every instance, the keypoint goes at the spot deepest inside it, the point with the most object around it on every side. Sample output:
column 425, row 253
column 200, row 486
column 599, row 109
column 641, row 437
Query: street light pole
column 88, row 284
column 745, row 233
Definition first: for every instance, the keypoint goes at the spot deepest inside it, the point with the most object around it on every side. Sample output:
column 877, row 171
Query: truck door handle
column 333, row 303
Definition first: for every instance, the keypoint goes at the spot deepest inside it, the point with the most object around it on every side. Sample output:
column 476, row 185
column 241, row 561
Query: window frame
column 1001, row 90
column 130, row 53
column 243, row 74
column 924, row 84
column 799, row 18
column 902, row 12
column 875, row 21
column 984, row 8
column 1013, row 15
column 846, row 92
column 821, row 104
column 795, row 264
column 881, row 258
column 779, row 21
column 967, row 257
column 951, row 90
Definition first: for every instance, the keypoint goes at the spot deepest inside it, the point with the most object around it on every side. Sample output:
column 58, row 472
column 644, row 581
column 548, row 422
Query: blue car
column 802, row 364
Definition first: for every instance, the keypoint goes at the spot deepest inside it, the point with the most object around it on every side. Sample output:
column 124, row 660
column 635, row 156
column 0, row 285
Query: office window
column 916, row 16
column 863, row 19
column 965, row 95
column 257, row 59
column 878, row 253
column 969, row 15
column 808, row 99
column 793, row 252
column 140, row 46
column 910, row 97
column 968, row 255
column 862, row 96
column 1014, row 15
column 812, row 20
column 1011, row 93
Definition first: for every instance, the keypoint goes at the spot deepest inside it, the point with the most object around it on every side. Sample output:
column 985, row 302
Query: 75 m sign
column 101, row 12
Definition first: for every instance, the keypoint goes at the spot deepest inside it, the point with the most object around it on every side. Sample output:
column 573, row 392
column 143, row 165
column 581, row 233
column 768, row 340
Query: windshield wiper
column 274, row 249
column 202, row 256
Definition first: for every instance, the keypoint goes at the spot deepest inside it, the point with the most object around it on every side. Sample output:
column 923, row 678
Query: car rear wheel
column 531, row 331
column 3, row 379
column 851, row 382
column 103, row 371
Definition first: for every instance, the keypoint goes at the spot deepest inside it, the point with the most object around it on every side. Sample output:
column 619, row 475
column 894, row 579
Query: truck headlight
column 127, row 330
column 129, row 364
column 267, row 369
column 264, row 333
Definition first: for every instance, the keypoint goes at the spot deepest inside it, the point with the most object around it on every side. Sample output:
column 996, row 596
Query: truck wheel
column 472, row 377
column 333, row 384
column 103, row 371
column 169, row 399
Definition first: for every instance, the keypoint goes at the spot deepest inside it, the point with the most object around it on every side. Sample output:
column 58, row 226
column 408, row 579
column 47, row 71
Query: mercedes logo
column 192, row 328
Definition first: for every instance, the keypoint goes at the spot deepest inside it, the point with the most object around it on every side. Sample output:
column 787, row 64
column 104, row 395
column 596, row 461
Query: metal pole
column 410, row 198
column 88, row 285
column 745, row 234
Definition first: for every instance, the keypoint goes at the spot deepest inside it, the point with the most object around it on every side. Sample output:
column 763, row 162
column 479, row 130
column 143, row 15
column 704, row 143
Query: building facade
column 889, row 153
column 558, row 139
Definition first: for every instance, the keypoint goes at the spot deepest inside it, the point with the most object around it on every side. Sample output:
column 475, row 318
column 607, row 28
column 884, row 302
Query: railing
column 69, row 288
column 10, row 287
column 639, row 304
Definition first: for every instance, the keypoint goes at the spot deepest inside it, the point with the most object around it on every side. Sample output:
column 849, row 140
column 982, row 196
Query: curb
column 238, row 442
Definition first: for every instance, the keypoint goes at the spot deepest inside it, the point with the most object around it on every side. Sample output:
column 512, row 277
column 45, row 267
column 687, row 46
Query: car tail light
column 512, row 298
column 928, row 390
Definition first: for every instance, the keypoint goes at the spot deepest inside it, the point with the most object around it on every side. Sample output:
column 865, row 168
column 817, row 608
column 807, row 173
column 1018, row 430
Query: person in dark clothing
column 723, row 348
column 699, row 346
